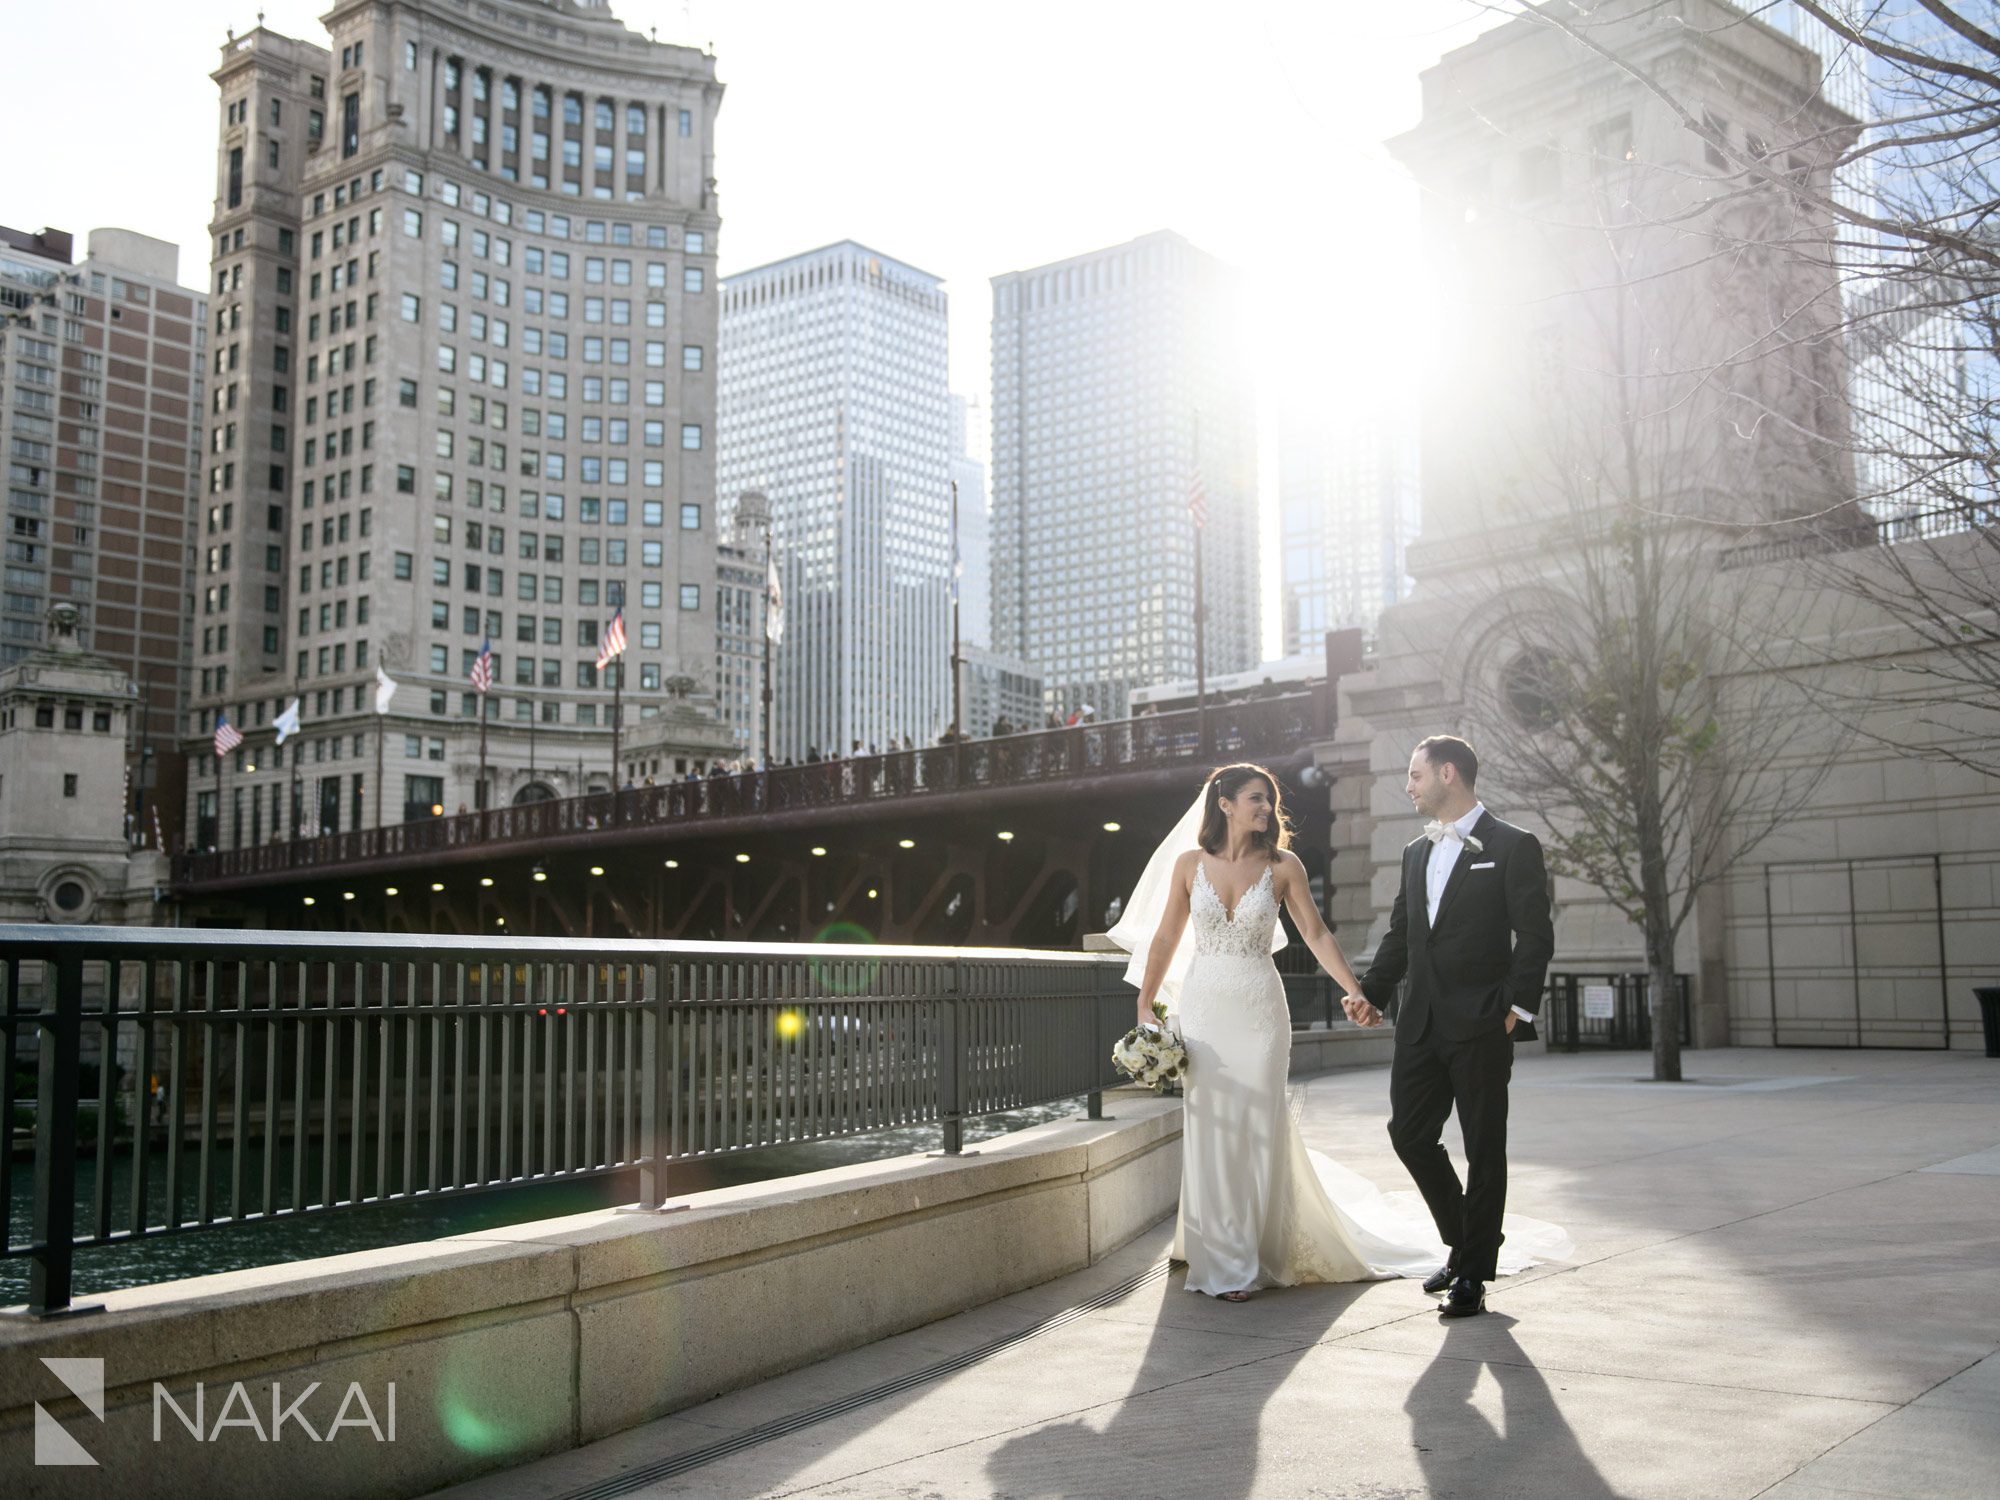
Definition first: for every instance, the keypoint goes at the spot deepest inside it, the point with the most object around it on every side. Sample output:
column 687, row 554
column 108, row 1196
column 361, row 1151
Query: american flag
column 1197, row 501
column 482, row 669
column 227, row 736
column 613, row 645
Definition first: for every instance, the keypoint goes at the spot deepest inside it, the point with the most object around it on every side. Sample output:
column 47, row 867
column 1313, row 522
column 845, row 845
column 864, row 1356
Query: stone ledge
column 510, row 1343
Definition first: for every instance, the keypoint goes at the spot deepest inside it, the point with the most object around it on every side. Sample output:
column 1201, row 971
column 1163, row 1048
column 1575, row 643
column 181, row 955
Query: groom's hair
column 1450, row 750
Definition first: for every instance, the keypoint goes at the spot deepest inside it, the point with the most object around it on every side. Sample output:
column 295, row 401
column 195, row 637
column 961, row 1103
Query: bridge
column 1021, row 841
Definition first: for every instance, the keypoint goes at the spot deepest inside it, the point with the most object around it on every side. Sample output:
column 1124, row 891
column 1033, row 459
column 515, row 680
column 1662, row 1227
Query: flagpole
column 1200, row 611
column 957, row 667
column 767, row 642
column 381, row 733
column 617, row 683
column 221, row 796
column 479, row 796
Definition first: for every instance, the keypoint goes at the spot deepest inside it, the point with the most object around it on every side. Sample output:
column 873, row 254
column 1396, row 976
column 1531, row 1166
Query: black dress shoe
column 1440, row 1279
column 1467, row 1297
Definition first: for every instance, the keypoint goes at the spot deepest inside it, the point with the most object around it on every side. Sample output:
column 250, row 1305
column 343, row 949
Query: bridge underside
column 959, row 882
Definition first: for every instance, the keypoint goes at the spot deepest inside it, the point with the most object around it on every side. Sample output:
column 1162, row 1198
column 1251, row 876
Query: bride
column 1258, row 1208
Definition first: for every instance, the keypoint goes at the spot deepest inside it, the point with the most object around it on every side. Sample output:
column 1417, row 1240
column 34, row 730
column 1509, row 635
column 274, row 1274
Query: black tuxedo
column 1487, row 952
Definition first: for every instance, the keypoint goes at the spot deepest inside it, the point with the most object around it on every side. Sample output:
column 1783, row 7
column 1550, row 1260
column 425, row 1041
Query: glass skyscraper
column 833, row 401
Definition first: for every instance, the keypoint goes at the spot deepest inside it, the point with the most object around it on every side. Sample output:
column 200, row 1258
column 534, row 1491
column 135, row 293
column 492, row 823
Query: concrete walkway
column 1786, row 1285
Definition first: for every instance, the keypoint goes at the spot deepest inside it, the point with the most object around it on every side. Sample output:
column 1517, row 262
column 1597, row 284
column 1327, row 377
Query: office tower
column 1118, row 376
column 1347, row 487
column 462, row 390
column 971, row 441
column 833, row 402
column 101, row 392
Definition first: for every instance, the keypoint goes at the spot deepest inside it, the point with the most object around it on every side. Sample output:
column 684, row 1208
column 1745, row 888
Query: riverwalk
column 1785, row 1285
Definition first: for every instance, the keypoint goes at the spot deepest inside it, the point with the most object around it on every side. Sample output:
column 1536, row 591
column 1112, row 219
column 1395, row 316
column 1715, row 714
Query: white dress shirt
column 1445, row 854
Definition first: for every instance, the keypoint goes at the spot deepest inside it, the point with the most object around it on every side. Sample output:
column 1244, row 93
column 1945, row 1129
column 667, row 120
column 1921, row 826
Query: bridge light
column 347, row 895
column 1112, row 827
column 437, row 809
column 1005, row 837
column 871, row 893
column 906, row 843
column 486, row 880
column 673, row 864
column 437, row 885
column 499, row 921
column 743, row 859
column 389, row 890
column 818, row 852
column 309, row 901
column 597, row 869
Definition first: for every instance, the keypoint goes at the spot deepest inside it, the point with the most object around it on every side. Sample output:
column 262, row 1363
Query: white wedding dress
column 1258, row 1207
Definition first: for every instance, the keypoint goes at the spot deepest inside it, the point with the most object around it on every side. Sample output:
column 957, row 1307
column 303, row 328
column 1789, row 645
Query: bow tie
column 1437, row 832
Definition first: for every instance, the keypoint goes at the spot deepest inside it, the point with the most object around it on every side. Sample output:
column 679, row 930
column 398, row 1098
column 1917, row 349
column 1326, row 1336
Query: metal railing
column 210, row 1077
column 1568, row 1026
column 1230, row 731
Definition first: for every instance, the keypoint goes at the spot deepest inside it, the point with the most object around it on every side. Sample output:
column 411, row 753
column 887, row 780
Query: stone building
column 1569, row 221
column 65, row 851
column 461, row 391
column 101, row 394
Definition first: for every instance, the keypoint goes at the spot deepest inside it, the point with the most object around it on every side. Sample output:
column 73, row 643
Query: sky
column 967, row 139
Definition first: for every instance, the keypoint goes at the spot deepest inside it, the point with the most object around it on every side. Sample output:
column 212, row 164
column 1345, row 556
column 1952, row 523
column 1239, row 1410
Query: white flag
column 287, row 723
column 385, row 689
column 774, row 604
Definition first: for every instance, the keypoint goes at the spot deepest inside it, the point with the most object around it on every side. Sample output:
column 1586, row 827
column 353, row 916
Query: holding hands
column 1360, row 1011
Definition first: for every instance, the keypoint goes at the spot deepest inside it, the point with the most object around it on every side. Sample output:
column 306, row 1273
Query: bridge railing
column 178, row 1081
column 1231, row 731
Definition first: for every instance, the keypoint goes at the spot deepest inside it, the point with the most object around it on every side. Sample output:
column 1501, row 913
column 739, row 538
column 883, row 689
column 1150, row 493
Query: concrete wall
column 511, row 1343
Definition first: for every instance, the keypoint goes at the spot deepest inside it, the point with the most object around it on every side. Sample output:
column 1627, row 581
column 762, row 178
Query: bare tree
column 1910, row 405
column 1616, row 682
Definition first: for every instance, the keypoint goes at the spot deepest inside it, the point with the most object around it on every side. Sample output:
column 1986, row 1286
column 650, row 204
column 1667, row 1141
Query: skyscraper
column 1118, row 377
column 833, row 401
column 1347, row 485
column 101, row 393
column 462, row 386
column 971, row 442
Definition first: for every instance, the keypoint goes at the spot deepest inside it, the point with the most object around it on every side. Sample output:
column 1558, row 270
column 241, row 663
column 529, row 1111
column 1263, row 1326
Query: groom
column 1471, row 929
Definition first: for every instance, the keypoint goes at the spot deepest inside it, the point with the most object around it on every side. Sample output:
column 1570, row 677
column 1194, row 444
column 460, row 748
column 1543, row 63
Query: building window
column 691, row 436
column 690, row 596
column 690, row 517
column 687, row 122
column 697, row 242
column 350, row 125
column 691, row 278
column 690, row 356
column 236, row 177
column 404, row 565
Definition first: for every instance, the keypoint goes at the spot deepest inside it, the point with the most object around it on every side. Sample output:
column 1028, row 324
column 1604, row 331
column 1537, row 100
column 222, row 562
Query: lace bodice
column 1244, row 934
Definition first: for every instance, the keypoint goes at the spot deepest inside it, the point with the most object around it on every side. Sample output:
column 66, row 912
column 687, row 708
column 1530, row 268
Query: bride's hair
column 1229, row 781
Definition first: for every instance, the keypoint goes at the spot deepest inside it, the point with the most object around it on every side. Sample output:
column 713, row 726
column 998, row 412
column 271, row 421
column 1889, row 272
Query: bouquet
column 1150, row 1055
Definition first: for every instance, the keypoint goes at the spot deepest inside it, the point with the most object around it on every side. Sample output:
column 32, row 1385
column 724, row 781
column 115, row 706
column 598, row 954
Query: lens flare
column 845, row 976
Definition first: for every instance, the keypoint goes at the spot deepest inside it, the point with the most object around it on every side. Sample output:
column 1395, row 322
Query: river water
column 170, row 1257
